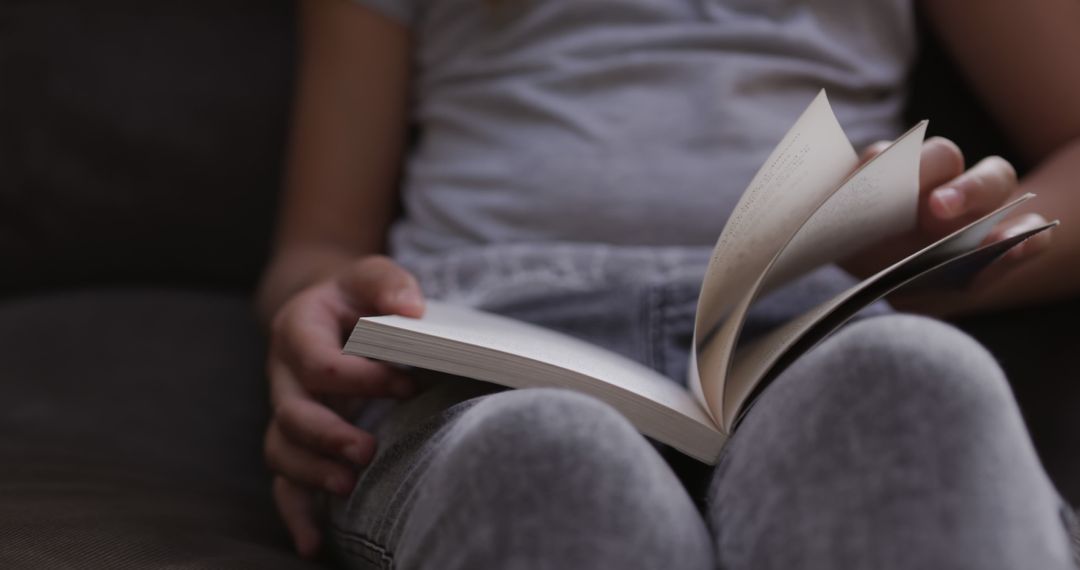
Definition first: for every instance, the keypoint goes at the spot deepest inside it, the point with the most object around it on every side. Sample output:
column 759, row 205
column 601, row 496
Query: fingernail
column 1013, row 232
column 338, row 484
column 409, row 297
column 1017, row 229
column 356, row 454
column 947, row 202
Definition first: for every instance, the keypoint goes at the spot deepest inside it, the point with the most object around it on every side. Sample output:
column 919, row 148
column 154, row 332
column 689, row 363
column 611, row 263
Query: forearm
column 346, row 146
column 306, row 252
column 1021, row 60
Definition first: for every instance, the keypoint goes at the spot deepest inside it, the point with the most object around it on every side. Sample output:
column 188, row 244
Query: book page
column 956, row 257
column 810, row 161
column 877, row 200
column 484, row 346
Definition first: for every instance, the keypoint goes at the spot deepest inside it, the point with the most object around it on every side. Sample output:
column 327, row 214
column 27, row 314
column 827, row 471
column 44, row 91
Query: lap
column 895, row 443
column 469, row 476
column 898, row 436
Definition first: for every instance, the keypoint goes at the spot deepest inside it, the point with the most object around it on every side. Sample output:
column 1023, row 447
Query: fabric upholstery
column 140, row 142
column 132, row 426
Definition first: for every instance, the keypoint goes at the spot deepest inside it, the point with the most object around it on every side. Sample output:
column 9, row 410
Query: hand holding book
column 951, row 197
column 309, row 444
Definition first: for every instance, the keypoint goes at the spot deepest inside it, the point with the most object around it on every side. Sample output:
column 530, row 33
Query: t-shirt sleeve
column 400, row 11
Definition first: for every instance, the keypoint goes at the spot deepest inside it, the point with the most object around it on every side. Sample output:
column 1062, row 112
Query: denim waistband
column 638, row 301
column 496, row 274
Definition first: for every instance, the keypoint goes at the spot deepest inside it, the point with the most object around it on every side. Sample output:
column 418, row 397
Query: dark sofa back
column 140, row 142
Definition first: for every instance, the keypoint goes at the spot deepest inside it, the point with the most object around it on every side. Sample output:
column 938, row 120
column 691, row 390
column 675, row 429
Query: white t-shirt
column 627, row 122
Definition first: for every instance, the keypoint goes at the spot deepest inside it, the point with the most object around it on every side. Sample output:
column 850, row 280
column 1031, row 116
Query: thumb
column 873, row 150
column 380, row 286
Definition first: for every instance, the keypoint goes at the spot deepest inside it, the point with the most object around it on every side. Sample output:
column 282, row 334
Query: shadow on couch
column 140, row 152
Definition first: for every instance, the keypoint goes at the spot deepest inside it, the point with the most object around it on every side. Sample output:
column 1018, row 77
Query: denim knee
column 885, row 380
column 526, row 427
column 895, row 426
column 554, row 479
column 901, row 360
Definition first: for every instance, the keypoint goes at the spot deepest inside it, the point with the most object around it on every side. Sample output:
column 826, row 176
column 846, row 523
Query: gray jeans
column 896, row 443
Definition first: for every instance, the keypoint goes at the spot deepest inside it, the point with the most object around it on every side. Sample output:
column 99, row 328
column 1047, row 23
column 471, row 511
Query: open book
column 810, row 204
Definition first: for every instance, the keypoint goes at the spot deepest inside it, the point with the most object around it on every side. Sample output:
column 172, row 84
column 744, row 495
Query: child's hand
column 950, row 198
column 308, row 445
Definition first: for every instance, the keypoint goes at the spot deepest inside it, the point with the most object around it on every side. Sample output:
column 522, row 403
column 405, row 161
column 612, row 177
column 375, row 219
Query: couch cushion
column 140, row 142
column 132, row 425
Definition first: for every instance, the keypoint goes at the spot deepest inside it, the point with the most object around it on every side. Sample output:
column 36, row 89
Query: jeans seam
column 370, row 550
column 655, row 325
column 669, row 307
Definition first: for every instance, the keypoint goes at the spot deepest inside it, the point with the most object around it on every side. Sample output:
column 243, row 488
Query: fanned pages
column 753, row 363
column 806, row 166
column 767, row 357
column 808, row 205
column 878, row 200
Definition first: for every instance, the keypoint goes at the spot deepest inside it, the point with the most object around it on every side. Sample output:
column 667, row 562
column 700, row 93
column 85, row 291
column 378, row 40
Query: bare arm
column 346, row 147
column 346, row 144
column 1022, row 59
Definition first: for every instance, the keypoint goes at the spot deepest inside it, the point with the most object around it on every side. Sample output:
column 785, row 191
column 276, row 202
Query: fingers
column 309, row 447
column 309, row 423
column 306, row 338
column 940, row 162
column 1020, row 253
column 981, row 189
column 312, row 352
column 296, row 505
column 873, row 150
column 307, row 444
column 304, row 466
column 1028, row 248
column 307, row 332
column 383, row 287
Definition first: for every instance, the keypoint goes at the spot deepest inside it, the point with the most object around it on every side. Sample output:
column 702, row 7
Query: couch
column 140, row 158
